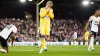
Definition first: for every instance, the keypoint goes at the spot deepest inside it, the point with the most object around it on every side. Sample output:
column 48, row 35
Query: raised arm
column 43, row 12
column 51, row 14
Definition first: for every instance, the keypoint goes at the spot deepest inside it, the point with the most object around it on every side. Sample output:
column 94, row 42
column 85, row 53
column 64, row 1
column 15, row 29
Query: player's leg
column 47, row 32
column 47, row 36
column 4, row 45
column 43, row 44
column 42, row 32
column 91, row 42
column 89, row 46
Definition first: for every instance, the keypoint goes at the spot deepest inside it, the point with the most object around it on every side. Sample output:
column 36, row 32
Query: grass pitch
column 52, row 51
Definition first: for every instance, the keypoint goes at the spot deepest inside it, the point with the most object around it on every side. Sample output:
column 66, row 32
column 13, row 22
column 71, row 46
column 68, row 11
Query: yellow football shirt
column 45, row 20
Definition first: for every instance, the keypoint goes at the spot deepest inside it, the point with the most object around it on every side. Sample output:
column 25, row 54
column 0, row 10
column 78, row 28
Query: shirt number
column 8, row 27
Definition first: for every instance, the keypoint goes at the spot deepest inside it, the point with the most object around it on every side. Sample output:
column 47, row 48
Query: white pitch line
column 20, row 50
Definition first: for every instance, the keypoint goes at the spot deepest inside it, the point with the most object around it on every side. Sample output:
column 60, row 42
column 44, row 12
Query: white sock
column 41, row 50
column 92, row 43
column 89, row 47
column 3, row 50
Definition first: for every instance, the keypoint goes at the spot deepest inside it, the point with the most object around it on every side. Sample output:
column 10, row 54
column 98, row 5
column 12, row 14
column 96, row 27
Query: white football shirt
column 75, row 35
column 94, row 24
column 8, row 30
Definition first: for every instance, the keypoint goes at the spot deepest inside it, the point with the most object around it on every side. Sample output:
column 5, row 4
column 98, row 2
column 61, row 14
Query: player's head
column 97, row 12
column 16, row 24
column 49, row 4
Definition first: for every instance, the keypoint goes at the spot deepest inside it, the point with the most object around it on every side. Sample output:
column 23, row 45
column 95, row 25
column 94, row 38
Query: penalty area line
column 19, row 50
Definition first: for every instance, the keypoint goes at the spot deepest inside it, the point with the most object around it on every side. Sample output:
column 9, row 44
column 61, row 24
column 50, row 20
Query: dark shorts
column 3, row 42
column 94, row 33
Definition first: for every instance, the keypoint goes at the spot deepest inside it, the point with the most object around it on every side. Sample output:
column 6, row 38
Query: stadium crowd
column 64, row 29
column 61, row 30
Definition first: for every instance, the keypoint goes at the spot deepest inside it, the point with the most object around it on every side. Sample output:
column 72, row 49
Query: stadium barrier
column 49, row 43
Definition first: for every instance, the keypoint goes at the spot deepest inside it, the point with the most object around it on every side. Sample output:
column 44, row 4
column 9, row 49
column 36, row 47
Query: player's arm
column 51, row 14
column 43, row 12
column 87, row 25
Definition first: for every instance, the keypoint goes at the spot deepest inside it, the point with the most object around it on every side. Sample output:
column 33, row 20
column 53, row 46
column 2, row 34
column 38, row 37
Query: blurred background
column 70, row 16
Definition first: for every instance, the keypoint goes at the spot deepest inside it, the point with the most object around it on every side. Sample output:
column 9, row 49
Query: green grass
column 52, row 51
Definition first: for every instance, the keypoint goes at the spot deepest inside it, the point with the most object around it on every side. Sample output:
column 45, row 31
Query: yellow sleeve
column 42, row 12
column 51, row 14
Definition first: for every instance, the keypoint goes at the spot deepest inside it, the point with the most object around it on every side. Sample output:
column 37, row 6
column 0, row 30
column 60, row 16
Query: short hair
column 50, row 2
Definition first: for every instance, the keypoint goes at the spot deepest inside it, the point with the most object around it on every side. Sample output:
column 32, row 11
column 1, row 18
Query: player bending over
column 46, row 13
column 94, row 21
column 4, row 35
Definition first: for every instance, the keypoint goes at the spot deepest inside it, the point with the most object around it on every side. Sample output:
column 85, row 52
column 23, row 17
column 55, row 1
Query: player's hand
column 84, row 30
column 48, row 9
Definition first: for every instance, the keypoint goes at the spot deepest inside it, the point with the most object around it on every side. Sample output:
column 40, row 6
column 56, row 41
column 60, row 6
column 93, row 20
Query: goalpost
column 37, row 16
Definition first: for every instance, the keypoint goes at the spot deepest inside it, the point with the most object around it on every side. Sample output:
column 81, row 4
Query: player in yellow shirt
column 46, row 13
column 86, row 35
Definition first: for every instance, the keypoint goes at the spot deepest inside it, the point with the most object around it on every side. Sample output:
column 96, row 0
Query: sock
column 41, row 50
column 89, row 47
column 43, row 44
column 2, row 50
column 92, row 42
